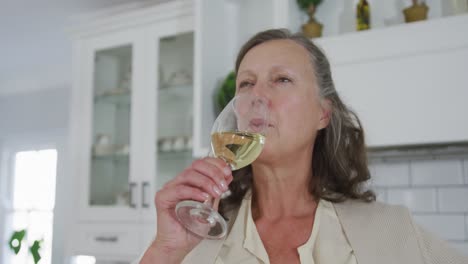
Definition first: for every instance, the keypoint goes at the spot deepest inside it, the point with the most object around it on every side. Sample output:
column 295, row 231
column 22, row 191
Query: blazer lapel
column 379, row 233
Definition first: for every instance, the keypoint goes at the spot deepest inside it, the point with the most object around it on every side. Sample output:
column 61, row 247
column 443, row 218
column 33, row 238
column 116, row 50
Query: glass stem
column 209, row 202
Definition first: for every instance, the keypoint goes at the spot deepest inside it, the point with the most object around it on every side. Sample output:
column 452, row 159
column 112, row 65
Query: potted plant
column 312, row 28
column 416, row 12
column 226, row 92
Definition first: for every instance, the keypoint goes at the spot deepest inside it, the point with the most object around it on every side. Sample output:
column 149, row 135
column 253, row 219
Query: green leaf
column 304, row 4
column 15, row 240
column 227, row 91
column 34, row 249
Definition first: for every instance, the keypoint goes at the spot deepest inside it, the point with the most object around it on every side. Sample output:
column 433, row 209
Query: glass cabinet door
column 174, row 119
column 110, row 157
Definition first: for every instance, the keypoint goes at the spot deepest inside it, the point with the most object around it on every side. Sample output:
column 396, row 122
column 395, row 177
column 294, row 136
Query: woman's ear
column 326, row 107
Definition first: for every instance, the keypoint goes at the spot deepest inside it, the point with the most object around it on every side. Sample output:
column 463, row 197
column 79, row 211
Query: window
column 32, row 203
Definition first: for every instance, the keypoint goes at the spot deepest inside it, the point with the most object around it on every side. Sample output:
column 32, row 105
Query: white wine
column 239, row 149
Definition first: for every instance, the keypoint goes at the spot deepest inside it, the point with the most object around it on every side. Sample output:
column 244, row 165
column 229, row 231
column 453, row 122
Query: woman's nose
column 263, row 92
column 261, row 89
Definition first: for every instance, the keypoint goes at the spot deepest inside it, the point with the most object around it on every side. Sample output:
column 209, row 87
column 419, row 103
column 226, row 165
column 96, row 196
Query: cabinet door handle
column 107, row 239
column 131, row 187
column 143, row 194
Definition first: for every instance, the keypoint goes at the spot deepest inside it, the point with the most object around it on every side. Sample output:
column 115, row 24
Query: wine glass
column 237, row 137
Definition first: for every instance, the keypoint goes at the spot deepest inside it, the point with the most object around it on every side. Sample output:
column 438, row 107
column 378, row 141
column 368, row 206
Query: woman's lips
column 257, row 122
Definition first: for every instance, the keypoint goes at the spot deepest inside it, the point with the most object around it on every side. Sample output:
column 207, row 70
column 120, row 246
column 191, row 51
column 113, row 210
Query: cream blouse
column 327, row 242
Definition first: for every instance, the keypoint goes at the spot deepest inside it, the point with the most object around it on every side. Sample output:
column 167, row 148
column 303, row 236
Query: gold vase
column 312, row 29
column 416, row 12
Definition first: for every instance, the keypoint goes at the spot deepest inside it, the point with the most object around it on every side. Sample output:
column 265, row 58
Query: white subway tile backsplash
column 461, row 247
column 417, row 200
column 435, row 190
column 436, row 172
column 390, row 174
column 453, row 199
column 449, row 227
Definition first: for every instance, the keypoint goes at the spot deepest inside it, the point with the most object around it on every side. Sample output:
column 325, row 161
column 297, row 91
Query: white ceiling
column 34, row 47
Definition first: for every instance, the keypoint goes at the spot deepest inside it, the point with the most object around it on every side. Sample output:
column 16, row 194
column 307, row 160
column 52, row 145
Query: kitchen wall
column 432, row 184
column 27, row 113
column 37, row 48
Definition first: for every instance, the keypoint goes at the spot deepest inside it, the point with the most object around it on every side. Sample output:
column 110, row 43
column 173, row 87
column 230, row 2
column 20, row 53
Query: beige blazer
column 377, row 232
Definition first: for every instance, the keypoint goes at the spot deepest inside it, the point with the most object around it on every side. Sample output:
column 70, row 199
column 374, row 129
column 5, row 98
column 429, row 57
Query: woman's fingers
column 169, row 196
column 227, row 171
column 195, row 179
column 208, row 174
column 216, row 169
column 220, row 164
column 208, row 177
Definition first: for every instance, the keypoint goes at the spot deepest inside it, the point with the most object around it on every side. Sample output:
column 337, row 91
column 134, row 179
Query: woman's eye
column 245, row 84
column 283, row 80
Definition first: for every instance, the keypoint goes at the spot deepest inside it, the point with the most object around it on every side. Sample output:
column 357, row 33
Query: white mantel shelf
column 418, row 38
column 408, row 83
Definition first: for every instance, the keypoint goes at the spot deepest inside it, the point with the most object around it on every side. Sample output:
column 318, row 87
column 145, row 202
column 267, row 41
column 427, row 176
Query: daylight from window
column 33, row 201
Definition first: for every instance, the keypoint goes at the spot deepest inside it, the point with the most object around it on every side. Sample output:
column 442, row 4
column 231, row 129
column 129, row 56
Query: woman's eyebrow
column 248, row 72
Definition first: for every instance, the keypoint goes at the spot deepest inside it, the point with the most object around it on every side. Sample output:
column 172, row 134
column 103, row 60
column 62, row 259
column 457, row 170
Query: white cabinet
column 114, row 240
column 131, row 123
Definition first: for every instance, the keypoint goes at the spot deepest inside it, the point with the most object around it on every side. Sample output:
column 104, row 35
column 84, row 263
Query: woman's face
column 281, row 71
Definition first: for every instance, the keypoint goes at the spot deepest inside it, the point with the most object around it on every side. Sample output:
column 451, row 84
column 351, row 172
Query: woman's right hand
column 205, row 178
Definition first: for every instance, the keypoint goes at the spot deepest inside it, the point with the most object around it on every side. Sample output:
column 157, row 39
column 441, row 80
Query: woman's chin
column 266, row 155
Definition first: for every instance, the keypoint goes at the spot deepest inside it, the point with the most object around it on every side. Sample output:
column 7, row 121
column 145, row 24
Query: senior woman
column 304, row 200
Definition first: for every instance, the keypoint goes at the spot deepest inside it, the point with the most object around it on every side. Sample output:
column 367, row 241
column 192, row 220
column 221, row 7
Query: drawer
column 107, row 239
